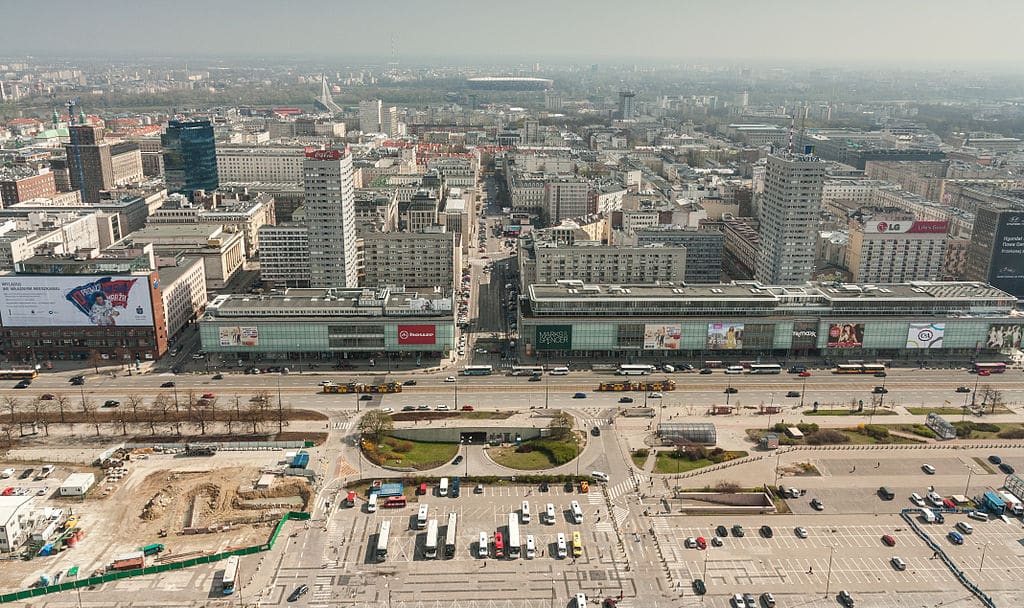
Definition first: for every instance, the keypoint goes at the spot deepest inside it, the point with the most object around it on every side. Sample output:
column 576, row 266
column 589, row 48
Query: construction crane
column 71, row 103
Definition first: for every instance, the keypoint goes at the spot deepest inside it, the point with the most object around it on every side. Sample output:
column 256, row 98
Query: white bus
column 526, row 512
column 563, row 550
column 449, row 537
column 421, row 517
column 549, row 514
column 514, row 547
column 382, row 540
column 560, row 371
column 230, row 575
column 734, row 369
column 577, row 512
column 442, row 488
column 481, row 547
column 527, row 370
column 477, row 370
column 371, row 503
column 431, row 548
column 765, row 368
column 634, row 369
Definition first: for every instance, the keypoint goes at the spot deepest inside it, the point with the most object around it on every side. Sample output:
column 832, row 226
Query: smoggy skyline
column 935, row 34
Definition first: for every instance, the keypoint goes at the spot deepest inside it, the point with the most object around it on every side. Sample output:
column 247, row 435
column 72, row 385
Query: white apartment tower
column 330, row 217
column 789, row 218
column 389, row 121
column 369, row 116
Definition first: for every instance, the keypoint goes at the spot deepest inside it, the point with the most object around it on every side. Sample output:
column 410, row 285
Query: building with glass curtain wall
column 190, row 156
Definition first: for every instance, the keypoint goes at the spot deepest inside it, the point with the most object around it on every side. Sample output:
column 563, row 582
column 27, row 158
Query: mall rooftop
column 363, row 302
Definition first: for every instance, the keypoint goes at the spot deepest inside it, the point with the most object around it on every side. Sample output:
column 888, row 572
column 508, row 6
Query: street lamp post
column 802, row 391
column 455, row 387
column 771, row 408
column 984, row 549
column 728, row 392
column 970, row 472
column 828, row 577
column 974, row 393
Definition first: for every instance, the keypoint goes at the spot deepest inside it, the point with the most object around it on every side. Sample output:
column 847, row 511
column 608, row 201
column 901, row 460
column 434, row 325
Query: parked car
column 625, row 400
column 800, row 532
column 365, row 397
column 804, row 374
column 963, row 389
column 845, row 598
column 888, row 540
column 698, row 587
column 26, row 474
column 466, row 408
column 409, row 383
column 879, row 390
column 580, row 396
column 408, row 408
column 898, row 563
column 209, row 396
column 927, row 468
column 817, row 505
column 458, row 459
column 1006, row 468
column 995, row 459
column 441, row 407
column 111, row 403
column 168, row 384
column 47, row 397
column 722, row 531
column 731, row 390
column 450, row 379
column 737, row 531
column 793, row 394
column 955, row 538
column 766, row 531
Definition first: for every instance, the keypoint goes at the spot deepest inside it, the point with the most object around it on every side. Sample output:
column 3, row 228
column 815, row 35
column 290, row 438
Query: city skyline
column 902, row 35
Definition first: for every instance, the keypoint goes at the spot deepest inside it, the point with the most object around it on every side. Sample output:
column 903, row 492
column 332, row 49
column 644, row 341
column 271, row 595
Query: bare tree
column 255, row 415
column 231, row 417
column 62, row 404
column 135, row 402
column 94, row 360
column 161, row 405
column 40, row 408
column 8, row 431
column 12, row 404
column 90, row 414
column 199, row 413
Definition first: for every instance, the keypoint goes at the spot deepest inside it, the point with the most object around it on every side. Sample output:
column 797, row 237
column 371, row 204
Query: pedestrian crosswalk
column 343, row 425
column 619, row 515
column 321, row 589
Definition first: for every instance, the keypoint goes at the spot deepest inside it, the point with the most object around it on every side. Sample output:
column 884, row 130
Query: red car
column 701, row 543
column 209, row 396
column 889, row 541
column 804, row 374
column 7, row 492
column 467, row 408
column 984, row 372
column 948, row 503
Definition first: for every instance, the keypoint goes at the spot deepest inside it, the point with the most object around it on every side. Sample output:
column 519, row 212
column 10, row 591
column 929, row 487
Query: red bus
column 394, row 502
column 992, row 368
column 499, row 545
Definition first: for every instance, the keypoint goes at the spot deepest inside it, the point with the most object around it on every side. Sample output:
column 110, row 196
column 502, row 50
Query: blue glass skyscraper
column 190, row 156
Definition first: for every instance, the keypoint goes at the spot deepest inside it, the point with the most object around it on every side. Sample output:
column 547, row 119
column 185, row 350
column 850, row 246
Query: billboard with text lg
column 417, row 334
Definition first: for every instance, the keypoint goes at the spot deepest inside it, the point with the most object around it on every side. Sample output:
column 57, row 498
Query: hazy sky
column 902, row 32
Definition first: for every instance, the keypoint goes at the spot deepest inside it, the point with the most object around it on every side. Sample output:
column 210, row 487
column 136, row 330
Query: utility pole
column 828, row 577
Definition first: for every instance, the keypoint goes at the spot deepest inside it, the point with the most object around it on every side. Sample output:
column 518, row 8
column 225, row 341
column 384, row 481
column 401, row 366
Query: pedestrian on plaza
column 810, row 570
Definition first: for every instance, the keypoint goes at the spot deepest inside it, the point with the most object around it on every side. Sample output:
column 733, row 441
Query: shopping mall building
column 329, row 324
column 746, row 320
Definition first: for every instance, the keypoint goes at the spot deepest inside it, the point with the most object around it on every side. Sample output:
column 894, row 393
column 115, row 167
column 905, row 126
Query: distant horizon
column 914, row 34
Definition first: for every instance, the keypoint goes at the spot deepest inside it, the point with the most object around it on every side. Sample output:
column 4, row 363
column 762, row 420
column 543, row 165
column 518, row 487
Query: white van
column 577, row 512
column 965, row 527
column 978, row 515
column 482, row 547
column 668, row 368
column 525, row 512
column 371, row 504
column 581, row 600
column 559, row 371
column 600, row 476
column 563, row 550
column 549, row 514
column 442, row 489
column 531, row 547
column 928, row 516
column 734, row 369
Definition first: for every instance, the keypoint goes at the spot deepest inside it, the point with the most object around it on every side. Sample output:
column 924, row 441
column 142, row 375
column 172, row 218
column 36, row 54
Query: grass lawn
column 992, row 429
column 950, row 411
column 533, row 460
column 861, row 439
column 849, row 412
column 667, row 463
column 421, row 456
column 639, row 461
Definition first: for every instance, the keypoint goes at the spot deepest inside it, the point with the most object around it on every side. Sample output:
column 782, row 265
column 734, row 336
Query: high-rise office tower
column 389, row 120
column 190, row 156
column 369, row 115
column 627, row 105
column 95, row 164
column 331, row 218
column 789, row 219
column 995, row 254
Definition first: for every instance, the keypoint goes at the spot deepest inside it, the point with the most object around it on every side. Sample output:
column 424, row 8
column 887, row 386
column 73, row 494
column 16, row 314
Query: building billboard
column 662, row 337
column 725, row 336
column 1004, row 336
column 75, row 301
column 805, row 335
column 554, row 337
column 239, row 336
column 1007, row 271
column 417, row 334
column 905, row 227
column 925, row 335
column 845, row 335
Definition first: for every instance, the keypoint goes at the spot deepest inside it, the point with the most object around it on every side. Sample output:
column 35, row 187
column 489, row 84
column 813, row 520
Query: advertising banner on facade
column 75, row 301
column 906, row 227
column 805, row 335
column 554, row 337
column 725, row 336
column 239, row 336
column 1007, row 272
column 662, row 337
column 1004, row 336
column 417, row 334
column 845, row 335
column 925, row 335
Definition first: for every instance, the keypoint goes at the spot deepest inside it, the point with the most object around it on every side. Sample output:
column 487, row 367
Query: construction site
column 178, row 505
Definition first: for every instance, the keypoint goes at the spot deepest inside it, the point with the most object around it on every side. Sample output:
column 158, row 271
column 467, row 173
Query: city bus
column 477, row 370
column 527, row 370
column 514, row 546
column 19, row 374
column 577, row 544
column 992, row 368
column 634, row 369
column 230, row 575
column 431, row 547
column 421, row 517
column 382, row 539
column 873, row 368
column 765, row 368
column 559, row 371
column 449, row 537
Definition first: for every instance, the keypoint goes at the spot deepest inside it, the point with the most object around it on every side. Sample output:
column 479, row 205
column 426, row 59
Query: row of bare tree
column 162, row 414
